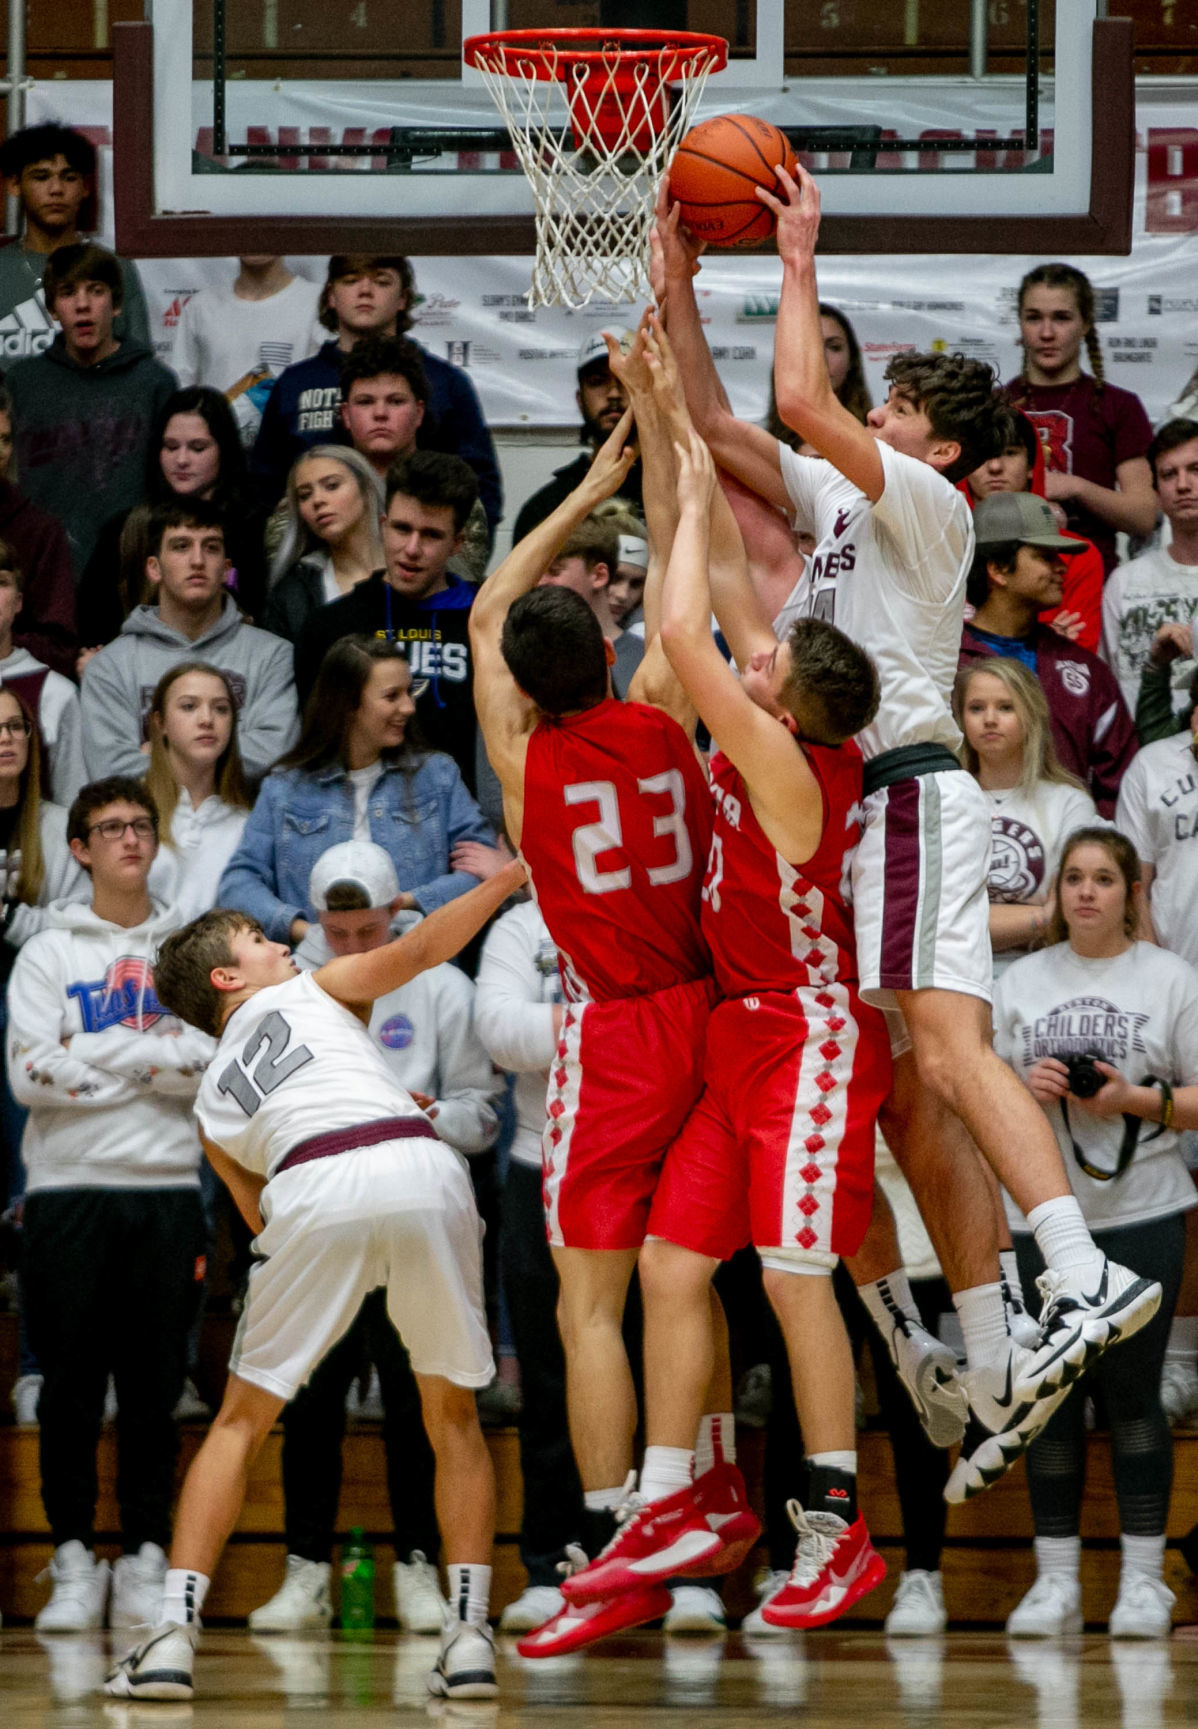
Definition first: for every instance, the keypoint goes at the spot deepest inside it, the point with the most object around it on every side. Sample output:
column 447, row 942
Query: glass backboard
column 333, row 125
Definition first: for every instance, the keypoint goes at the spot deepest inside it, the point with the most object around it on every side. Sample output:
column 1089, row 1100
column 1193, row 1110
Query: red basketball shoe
column 656, row 1541
column 722, row 1498
column 835, row 1565
column 705, row 1529
column 581, row 1624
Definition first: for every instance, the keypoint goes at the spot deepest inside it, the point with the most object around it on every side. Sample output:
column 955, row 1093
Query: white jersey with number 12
column 292, row 1063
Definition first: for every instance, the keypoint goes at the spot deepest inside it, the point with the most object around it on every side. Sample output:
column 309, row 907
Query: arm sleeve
column 268, row 724
column 516, row 1028
column 249, row 878
column 463, row 821
column 1112, row 596
column 111, row 722
column 928, row 521
column 68, row 772
column 1113, row 743
column 466, row 1082
column 185, row 352
column 46, row 624
column 802, row 477
column 1184, row 1032
column 153, row 1062
column 133, row 306
column 1154, row 705
column 1131, row 812
column 475, row 445
column 270, row 457
column 41, row 1069
column 1133, row 429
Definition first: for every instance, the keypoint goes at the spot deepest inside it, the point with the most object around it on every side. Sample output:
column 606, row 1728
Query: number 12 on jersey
column 591, row 839
column 266, row 1049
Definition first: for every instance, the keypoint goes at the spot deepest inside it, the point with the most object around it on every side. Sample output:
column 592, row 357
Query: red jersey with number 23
column 617, row 828
column 773, row 926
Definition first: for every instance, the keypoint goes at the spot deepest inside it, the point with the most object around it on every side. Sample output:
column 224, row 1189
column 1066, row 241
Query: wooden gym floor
column 831, row 1680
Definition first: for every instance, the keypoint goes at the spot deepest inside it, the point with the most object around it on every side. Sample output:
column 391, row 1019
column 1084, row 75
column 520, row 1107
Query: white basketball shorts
column 401, row 1214
column 920, row 906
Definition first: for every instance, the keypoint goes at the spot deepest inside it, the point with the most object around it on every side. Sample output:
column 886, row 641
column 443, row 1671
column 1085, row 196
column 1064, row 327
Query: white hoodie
column 108, row 1076
column 191, row 859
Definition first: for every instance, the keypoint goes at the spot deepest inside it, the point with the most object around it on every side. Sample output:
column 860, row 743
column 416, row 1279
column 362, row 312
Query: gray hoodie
column 107, row 1075
column 118, row 685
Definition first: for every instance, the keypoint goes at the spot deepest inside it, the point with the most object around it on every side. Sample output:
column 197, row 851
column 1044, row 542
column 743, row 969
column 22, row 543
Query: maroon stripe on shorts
column 364, row 1135
column 900, row 901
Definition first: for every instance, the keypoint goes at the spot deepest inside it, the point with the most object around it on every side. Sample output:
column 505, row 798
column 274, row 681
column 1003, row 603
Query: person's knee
column 450, row 1412
column 591, row 1299
column 247, row 1414
column 672, row 1277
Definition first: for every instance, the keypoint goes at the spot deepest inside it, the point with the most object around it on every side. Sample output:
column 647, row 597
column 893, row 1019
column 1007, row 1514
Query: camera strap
column 1131, row 1135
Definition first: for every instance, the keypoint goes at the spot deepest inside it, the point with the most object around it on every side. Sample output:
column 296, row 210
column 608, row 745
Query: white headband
column 634, row 550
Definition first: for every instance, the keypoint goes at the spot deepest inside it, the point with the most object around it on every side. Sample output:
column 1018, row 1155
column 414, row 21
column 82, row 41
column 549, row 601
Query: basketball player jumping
column 780, row 1150
column 347, row 1187
column 894, row 543
column 610, row 808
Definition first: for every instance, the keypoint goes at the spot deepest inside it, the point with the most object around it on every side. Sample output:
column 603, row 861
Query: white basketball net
column 594, row 194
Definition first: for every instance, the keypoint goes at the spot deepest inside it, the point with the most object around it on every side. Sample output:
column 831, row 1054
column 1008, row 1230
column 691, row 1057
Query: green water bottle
column 357, row 1583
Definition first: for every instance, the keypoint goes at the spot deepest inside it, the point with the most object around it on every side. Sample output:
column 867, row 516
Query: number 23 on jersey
column 668, row 855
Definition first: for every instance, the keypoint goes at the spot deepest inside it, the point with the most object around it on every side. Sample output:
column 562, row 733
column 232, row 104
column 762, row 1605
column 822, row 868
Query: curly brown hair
column 962, row 402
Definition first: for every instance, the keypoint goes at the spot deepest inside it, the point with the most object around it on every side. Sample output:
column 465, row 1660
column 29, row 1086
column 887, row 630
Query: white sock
column 1144, row 1555
column 469, row 1592
column 1008, row 1267
column 1059, row 1555
column 1183, row 1340
column 603, row 1500
column 183, row 1596
column 665, row 1471
column 1063, row 1237
column 887, row 1297
column 983, row 1318
column 716, row 1441
column 843, row 1461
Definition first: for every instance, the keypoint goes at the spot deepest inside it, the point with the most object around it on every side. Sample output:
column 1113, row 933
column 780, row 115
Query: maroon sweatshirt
column 46, row 622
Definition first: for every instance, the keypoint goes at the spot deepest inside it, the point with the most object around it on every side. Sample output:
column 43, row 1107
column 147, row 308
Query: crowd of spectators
column 235, row 669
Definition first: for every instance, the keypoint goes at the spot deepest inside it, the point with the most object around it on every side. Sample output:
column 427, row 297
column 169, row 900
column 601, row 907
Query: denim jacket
column 417, row 817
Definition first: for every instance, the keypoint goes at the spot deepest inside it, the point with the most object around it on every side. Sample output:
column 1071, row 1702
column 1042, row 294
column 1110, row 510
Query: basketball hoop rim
column 560, row 50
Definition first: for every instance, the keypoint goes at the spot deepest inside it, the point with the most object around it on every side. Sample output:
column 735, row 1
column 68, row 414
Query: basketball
column 715, row 170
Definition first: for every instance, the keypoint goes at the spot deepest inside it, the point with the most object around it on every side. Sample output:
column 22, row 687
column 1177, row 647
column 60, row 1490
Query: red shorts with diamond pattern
column 625, row 1078
column 780, row 1150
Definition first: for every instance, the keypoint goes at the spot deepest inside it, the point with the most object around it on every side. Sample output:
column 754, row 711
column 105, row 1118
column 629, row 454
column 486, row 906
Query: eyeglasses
column 112, row 828
column 16, row 728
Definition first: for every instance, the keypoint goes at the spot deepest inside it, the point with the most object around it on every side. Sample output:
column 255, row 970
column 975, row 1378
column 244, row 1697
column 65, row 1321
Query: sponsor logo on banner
column 457, row 352
column 433, row 309
column 1106, row 305
column 758, row 309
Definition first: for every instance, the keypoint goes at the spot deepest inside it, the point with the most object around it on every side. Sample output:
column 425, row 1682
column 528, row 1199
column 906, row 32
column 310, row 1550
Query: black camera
column 1085, row 1079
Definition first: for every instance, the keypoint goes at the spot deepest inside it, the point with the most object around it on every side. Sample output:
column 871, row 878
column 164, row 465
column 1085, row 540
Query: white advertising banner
column 472, row 309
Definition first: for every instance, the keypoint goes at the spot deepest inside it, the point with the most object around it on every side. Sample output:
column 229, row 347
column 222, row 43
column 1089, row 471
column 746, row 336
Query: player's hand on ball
column 674, row 251
column 797, row 214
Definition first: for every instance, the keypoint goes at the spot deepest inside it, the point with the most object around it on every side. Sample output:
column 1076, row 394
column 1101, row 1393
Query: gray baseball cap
column 1021, row 516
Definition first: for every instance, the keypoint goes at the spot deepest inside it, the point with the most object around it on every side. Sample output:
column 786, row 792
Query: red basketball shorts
column 780, row 1150
column 625, row 1079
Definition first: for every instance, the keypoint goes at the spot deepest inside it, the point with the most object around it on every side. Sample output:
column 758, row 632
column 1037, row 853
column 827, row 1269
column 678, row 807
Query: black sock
column 832, row 1491
column 598, row 1529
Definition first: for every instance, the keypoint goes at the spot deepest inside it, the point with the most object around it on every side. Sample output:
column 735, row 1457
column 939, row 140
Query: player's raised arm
column 802, row 388
column 359, row 979
column 502, row 711
column 759, row 740
column 745, row 450
column 738, row 611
